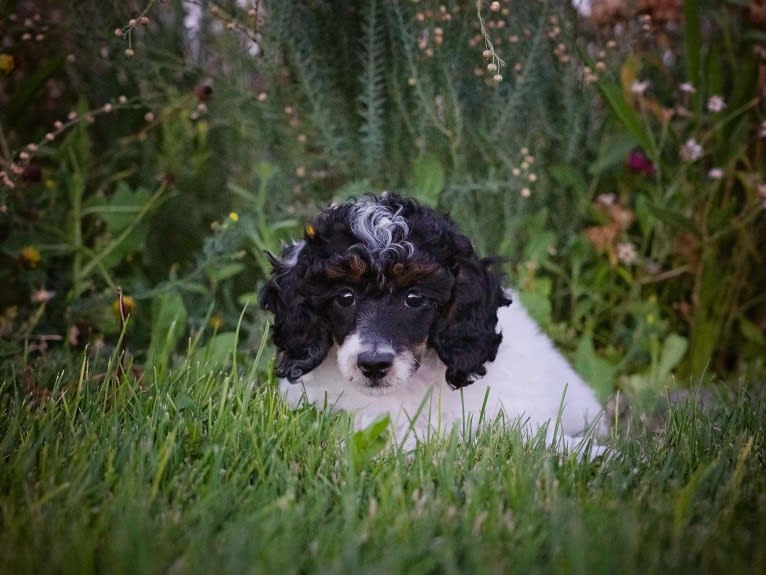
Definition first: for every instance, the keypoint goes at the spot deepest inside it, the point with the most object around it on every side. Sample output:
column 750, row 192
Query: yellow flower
column 29, row 257
column 6, row 63
column 128, row 305
column 216, row 322
column 234, row 216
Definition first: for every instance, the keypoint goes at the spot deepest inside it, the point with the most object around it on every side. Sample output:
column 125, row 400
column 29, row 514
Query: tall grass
column 207, row 472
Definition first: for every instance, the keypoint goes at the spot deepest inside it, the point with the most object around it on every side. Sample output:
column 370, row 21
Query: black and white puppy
column 384, row 307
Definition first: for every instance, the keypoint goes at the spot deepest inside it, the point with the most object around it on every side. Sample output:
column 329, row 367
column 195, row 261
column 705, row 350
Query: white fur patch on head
column 404, row 365
column 291, row 253
column 380, row 230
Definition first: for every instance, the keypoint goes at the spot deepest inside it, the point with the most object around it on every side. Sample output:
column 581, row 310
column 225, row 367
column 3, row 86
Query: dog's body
column 385, row 309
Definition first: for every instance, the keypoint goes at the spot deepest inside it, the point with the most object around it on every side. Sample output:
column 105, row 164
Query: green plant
column 683, row 229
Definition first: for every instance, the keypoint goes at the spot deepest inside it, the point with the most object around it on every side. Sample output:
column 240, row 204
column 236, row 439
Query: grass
column 206, row 473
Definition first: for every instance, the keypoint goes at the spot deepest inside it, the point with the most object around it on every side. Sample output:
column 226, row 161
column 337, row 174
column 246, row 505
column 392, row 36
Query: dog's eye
column 345, row 297
column 414, row 298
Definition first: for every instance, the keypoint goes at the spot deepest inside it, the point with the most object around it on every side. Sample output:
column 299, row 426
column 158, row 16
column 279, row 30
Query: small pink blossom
column 691, row 151
column 687, row 88
column 716, row 103
column 626, row 253
column 605, row 199
column 715, row 174
column 762, row 195
column 639, row 87
column 42, row 295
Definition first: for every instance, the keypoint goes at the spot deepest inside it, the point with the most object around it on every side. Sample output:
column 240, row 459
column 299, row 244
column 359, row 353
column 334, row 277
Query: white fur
column 379, row 229
column 529, row 380
column 404, row 364
column 290, row 257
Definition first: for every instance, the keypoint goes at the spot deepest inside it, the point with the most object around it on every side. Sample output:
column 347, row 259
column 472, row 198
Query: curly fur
column 384, row 303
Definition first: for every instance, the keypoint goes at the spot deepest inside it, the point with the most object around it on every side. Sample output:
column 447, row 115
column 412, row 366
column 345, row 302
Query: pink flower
column 42, row 295
column 638, row 87
column 716, row 104
column 687, row 88
column 715, row 174
column 691, row 151
column 640, row 163
column 626, row 253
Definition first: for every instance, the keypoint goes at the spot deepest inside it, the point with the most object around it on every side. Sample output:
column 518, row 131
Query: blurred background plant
column 612, row 153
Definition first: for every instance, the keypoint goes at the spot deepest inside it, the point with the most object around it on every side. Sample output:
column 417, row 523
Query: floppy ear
column 301, row 335
column 464, row 335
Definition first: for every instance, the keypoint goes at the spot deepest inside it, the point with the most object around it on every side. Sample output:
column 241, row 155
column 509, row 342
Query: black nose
column 375, row 364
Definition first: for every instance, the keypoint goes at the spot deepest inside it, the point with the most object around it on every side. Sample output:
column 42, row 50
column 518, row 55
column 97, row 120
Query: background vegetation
column 161, row 147
column 152, row 150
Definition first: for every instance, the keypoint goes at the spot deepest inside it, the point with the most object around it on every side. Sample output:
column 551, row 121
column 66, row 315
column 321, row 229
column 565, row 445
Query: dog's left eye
column 414, row 298
column 345, row 297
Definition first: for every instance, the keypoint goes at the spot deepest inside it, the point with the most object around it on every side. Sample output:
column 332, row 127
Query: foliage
column 163, row 147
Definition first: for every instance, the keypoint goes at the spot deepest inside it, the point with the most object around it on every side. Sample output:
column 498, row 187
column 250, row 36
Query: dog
column 383, row 308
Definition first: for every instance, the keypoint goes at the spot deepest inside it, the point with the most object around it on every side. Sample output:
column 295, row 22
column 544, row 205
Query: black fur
column 463, row 291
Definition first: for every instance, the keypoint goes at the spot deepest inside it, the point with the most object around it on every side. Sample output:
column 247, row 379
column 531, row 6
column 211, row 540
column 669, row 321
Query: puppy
column 384, row 308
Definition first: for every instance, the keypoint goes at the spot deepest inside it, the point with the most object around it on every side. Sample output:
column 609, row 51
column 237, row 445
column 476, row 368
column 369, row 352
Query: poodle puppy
column 384, row 308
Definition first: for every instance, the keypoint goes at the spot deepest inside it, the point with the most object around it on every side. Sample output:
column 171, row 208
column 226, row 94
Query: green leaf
column 537, row 302
column 613, row 152
column 598, row 372
column 121, row 209
column 567, row 176
column 168, row 325
column 183, row 401
column 671, row 217
column 538, row 248
column 370, row 441
column 217, row 352
column 428, row 179
column 632, row 121
column 249, row 299
column 673, row 351
column 225, row 271
column 751, row 332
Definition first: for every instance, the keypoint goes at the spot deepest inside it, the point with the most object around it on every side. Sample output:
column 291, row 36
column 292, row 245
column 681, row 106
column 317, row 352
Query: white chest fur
column 529, row 381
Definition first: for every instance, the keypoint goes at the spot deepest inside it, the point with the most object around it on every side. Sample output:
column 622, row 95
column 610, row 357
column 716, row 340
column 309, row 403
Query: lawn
column 152, row 154
column 208, row 473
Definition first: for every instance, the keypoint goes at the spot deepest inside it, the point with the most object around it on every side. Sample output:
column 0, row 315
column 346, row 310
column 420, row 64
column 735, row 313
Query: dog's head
column 384, row 279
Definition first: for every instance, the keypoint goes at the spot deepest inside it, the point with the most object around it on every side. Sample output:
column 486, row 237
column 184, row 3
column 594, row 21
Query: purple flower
column 640, row 163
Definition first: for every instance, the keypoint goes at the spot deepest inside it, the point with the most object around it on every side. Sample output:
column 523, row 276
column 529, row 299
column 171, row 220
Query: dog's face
column 384, row 280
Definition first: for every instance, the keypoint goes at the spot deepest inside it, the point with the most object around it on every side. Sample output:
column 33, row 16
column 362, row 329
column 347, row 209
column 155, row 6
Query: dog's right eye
column 345, row 297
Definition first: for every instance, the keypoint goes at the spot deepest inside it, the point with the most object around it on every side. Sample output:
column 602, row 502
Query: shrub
column 562, row 142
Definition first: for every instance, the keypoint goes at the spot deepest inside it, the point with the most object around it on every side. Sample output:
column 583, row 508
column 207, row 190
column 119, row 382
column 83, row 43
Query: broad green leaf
column 249, row 299
column 168, row 325
column 752, row 332
column 673, row 351
column 598, row 372
column 225, row 271
column 428, row 179
column 632, row 121
column 121, row 209
column 538, row 303
column 217, row 352
column 670, row 217
column 613, row 153
column 370, row 441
